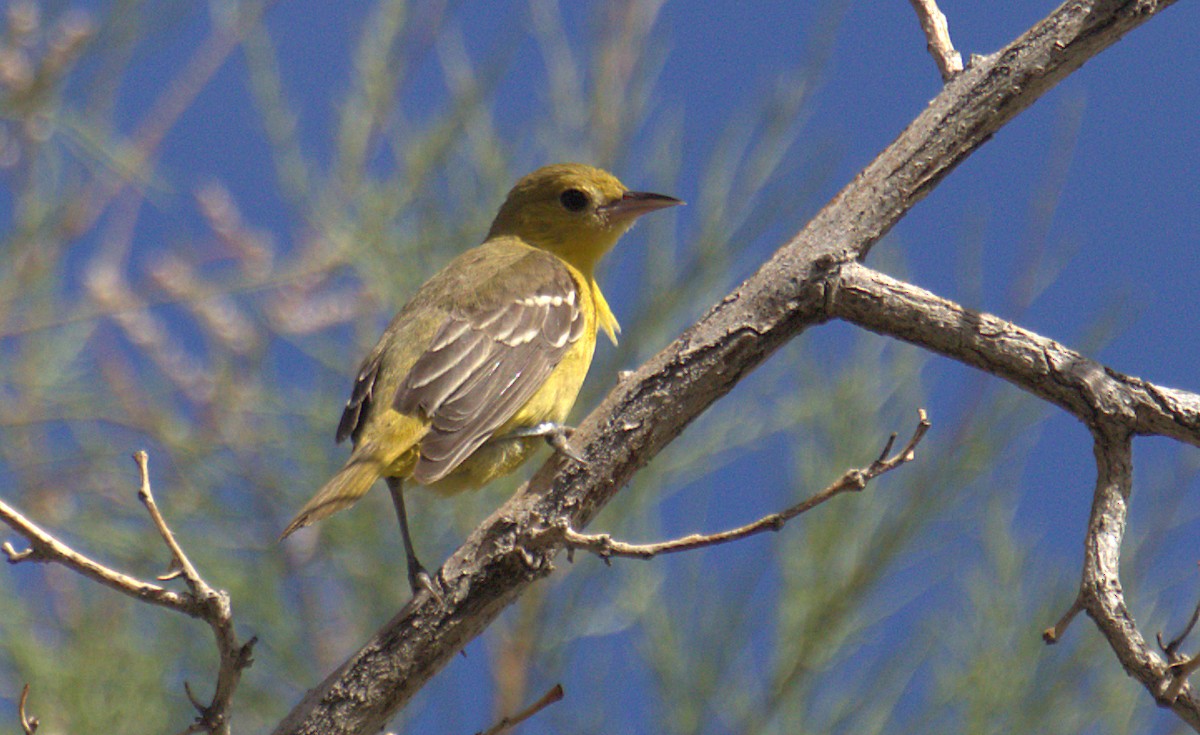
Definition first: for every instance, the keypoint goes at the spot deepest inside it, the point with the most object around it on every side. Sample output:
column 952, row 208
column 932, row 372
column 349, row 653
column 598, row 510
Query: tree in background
column 158, row 291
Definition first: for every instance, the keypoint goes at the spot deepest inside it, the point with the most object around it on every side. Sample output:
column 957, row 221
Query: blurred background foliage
column 223, row 340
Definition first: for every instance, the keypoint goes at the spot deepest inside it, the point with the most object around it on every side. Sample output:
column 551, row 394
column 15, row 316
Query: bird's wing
column 488, row 359
column 360, row 398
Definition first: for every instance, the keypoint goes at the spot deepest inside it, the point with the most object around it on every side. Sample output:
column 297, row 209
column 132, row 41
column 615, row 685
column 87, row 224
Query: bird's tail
column 347, row 486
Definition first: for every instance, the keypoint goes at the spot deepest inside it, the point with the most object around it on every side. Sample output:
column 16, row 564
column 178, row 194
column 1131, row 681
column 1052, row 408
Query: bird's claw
column 421, row 581
column 558, row 436
column 560, row 440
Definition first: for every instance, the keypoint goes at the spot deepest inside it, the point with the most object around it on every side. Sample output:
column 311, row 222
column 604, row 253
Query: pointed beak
column 636, row 203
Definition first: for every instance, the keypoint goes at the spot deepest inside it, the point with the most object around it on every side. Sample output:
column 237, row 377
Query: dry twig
column 854, row 480
column 1171, row 649
column 43, row 547
column 937, row 38
column 1181, row 666
column 1179, row 671
column 507, row 723
column 1054, row 633
column 29, row 723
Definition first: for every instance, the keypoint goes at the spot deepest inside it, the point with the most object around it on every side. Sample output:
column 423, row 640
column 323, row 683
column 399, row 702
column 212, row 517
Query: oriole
column 491, row 352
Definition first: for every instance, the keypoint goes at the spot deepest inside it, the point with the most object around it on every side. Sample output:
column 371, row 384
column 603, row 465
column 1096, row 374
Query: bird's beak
column 634, row 204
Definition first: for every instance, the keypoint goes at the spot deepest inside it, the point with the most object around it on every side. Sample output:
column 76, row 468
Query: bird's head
column 575, row 211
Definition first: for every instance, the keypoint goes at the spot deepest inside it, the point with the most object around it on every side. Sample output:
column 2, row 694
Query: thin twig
column 29, row 724
column 507, row 723
column 937, row 38
column 1054, row 633
column 1172, row 647
column 214, row 609
column 46, row 548
column 1181, row 670
column 1181, row 666
column 180, row 564
column 606, row 547
column 14, row 556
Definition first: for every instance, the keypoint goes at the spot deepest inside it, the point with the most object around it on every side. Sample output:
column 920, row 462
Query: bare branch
column 1116, row 407
column 854, row 480
column 1083, row 387
column 1054, row 633
column 1171, row 649
column 29, row 723
column 202, row 601
column 555, row 694
column 180, row 564
column 1100, row 588
column 213, row 607
column 47, row 548
column 1181, row 666
column 14, row 556
column 645, row 412
column 1180, row 671
column 937, row 38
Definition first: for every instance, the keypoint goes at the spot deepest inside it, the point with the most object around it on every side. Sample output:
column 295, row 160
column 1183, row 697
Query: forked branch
column 1114, row 406
column 200, row 601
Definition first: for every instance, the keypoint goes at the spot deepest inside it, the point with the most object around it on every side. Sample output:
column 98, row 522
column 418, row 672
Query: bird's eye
column 574, row 200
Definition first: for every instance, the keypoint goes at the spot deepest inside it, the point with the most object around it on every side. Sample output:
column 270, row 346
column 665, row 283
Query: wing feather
column 360, row 397
column 488, row 359
column 441, row 371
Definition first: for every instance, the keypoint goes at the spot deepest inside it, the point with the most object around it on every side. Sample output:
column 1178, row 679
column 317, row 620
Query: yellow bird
column 490, row 353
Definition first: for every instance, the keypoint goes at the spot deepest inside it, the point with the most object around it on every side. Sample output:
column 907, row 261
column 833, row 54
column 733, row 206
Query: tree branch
column 1116, row 407
column 605, row 546
column 214, row 609
column 46, row 548
column 937, row 38
column 201, row 601
column 647, row 410
column 1054, row 633
column 1171, row 648
column 1081, row 386
column 1100, row 590
column 554, row 694
column 1181, row 666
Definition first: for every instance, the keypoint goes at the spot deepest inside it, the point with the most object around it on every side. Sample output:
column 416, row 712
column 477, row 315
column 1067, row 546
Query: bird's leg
column 556, row 435
column 418, row 578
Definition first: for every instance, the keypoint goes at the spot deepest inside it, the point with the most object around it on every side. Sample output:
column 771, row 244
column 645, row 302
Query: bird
column 488, row 356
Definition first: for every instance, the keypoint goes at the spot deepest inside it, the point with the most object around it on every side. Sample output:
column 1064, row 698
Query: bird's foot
column 557, row 435
column 420, row 581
